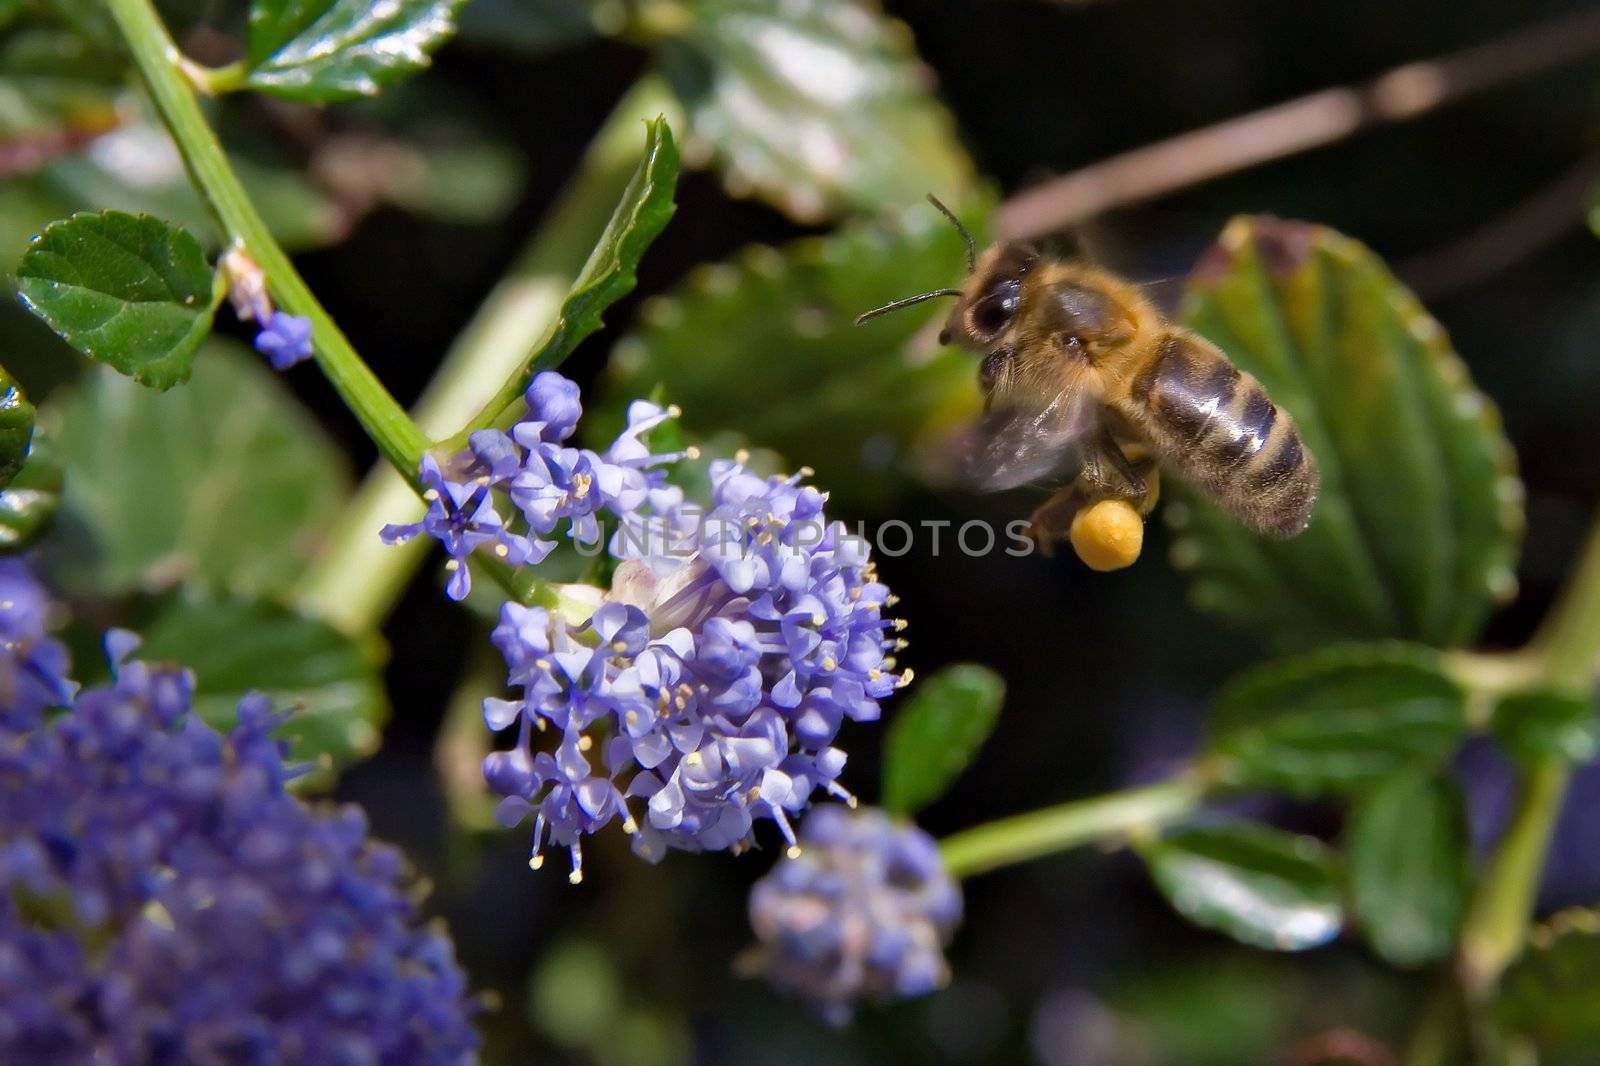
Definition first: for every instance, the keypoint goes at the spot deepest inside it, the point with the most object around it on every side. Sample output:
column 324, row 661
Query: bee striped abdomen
column 1219, row 429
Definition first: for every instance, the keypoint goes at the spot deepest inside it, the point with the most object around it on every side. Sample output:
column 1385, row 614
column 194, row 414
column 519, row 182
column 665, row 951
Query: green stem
column 214, row 81
column 1043, row 832
column 356, row 579
column 1567, row 651
column 159, row 62
column 1497, row 919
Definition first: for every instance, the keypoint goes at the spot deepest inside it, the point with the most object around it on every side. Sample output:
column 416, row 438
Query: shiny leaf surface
column 16, row 427
column 129, row 291
column 1416, row 530
column 816, row 106
column 1261, row 886
column 28, row 505
column 324, row 50
column 1339, row 718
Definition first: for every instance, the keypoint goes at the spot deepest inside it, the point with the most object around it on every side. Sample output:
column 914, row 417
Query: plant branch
column 1294, row 126
column 159, row 62
column 356, row 579
column 1497, row 919
column 1022, row 837
column 1567, row 649
column 1527, row 227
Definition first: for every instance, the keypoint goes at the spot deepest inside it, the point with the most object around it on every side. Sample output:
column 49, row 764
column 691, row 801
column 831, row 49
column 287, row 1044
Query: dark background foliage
column 1073, row 959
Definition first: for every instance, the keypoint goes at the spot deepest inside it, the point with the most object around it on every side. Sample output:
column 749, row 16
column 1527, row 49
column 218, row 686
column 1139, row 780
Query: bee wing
column 1017, row 446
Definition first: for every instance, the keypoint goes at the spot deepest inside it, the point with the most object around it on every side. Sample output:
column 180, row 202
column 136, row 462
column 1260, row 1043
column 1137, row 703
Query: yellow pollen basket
column 1108, row 535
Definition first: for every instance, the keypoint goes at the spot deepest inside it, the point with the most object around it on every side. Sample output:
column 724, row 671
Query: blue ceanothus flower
column 163, row 899
column 284, row 339
column 863, row 911
column 704, row 690
column 543, row 481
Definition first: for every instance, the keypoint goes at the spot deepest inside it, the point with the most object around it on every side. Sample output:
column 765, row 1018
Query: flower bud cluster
column 862, row 911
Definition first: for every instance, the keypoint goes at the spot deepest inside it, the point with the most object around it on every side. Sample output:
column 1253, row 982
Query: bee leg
column 1051, row 520
column 1107, row 473
column 1135, row 475
column 1131, row 474
column 1152, row 492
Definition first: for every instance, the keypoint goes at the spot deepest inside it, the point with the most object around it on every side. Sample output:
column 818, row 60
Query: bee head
column 992, row 297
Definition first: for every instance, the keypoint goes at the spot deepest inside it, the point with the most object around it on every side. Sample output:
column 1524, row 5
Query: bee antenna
column 907, row 302
column 972, row 249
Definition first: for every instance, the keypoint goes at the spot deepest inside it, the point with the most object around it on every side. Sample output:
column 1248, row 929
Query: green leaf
column 780, row 323
column 228, row 480
column 1548, row 723
column 611, row 272
column 1406, row 844
column 28, row 505
column 936, row 733
column 1416, row 531
column 1259, row 885
column 318, row 51
column 331, row 683
column 1336, row 719
column 126, row 290
column 1552, row 993
column 817, row 106
column 16, row 427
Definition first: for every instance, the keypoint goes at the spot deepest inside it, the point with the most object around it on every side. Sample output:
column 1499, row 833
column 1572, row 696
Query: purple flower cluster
column 33, row 668
column 162, row 899
column 706, row 688
column 543, row 481
column 862, row 912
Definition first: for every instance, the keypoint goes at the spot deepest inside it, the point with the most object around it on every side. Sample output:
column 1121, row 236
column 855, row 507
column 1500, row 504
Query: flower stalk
column 356, row 579
column 160, row 65
column 1567, row 653
column 170, row 81
column 1036, row 834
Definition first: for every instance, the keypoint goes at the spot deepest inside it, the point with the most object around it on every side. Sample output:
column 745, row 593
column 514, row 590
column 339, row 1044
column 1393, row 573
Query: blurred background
column 1481, row 204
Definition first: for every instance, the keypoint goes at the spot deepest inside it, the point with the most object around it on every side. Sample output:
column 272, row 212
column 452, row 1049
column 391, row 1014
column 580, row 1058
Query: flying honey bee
column 1087, row 388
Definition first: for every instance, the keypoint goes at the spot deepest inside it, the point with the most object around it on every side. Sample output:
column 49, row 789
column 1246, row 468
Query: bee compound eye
column 944, row 336
column 993, row 313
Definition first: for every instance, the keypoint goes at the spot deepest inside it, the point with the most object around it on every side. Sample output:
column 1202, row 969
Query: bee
column 1088, row 388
